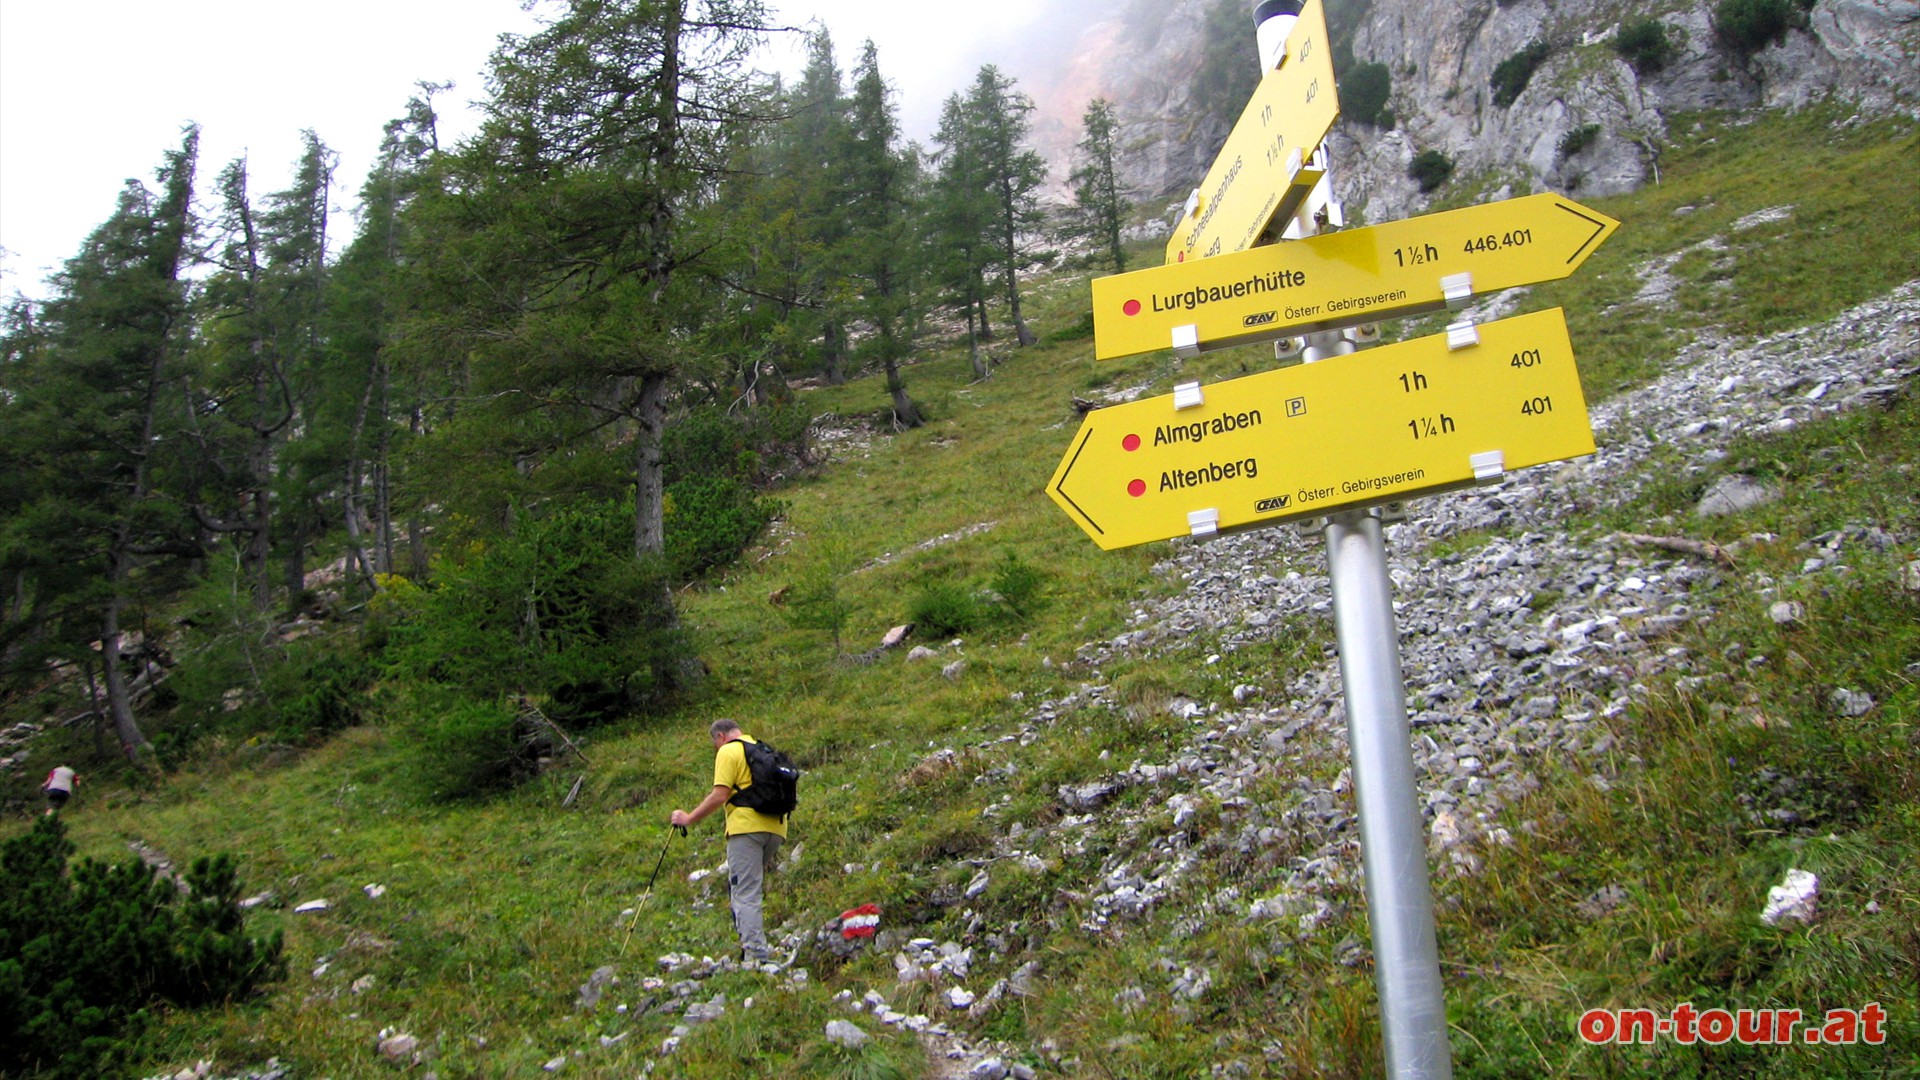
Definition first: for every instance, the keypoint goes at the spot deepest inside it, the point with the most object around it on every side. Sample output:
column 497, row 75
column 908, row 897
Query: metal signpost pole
column 1413, row 1010
column 1406, row 954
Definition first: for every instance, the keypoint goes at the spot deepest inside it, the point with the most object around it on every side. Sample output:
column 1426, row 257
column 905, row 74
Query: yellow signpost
column 1264, row 170
column 1342, row 278
column 1378, row 426
column 1336, row 436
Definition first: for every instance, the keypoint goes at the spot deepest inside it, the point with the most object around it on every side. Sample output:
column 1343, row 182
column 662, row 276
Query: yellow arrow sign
column 1262, row 170
column 1342, row 278
column 1380, row 425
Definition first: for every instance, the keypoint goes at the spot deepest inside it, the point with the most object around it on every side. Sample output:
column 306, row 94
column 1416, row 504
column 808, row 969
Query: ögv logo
column 1263, row 318
column 1267, row 506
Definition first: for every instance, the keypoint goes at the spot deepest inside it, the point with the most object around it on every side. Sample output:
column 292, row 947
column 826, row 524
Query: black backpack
column 774, row 791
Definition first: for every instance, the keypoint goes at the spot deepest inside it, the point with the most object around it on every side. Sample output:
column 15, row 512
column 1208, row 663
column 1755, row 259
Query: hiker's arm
column 715, row 799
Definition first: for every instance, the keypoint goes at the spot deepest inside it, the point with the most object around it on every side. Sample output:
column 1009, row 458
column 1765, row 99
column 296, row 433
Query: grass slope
column 492, row 915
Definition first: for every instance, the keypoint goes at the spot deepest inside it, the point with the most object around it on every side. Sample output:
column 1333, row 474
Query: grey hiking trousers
column 749, row 855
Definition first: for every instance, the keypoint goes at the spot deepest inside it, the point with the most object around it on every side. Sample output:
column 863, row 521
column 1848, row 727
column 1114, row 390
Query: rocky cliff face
column 1442, row 55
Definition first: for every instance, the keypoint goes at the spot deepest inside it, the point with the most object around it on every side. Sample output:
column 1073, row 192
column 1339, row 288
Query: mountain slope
column 1441, row 59
column 1121, row 825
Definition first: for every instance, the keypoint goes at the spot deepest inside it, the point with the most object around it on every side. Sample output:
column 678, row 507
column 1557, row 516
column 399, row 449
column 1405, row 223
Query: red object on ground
column 859, row 922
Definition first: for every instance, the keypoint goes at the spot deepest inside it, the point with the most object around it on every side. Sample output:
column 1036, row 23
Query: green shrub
column 322, row 694
column 85, row 956
column 233, row 676
column 1645, row 45
column 1430, row 168
column 1510, row 76
column 710, row 520
column 1748, row 26
column 711, row 441
column 1078, row 330
column 466, row 749
column 1578, row 139
column 712, row 462
column 559, row 600
column 1016, row 583
column 945, row 608
column 813, row 599
column 1364, row 93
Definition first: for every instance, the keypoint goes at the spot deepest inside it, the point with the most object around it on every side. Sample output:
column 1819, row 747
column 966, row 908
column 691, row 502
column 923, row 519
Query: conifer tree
column 371, row 404
column 815, row 131
column 94, row 412
column 961, row 220
column 1098, row 210
column 1014, row 175
column 878, row 238
column 559, row 259
column 262, row 359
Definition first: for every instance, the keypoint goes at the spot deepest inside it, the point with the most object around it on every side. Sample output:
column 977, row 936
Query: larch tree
column 370, row 406
column 298, row 271
column 94, row 416
column 261, row 352
column 559, row 253
column 815, row 127
column 961, row 220
column 1014, row 175
column 1098, row 208
column 876, row 249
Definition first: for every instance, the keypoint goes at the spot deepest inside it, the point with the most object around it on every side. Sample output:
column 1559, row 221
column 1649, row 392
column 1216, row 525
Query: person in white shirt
column 59, row 787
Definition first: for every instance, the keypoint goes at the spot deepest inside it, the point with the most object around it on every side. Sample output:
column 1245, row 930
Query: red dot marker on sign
column 1130, row 443
column 1131, row 307
column 1137, row 488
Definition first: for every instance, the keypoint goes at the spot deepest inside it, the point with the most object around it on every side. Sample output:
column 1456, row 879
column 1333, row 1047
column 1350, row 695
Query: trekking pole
column 647, row 894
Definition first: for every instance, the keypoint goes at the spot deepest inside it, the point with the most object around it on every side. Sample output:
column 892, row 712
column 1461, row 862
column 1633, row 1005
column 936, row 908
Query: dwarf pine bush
column 1510, row 76
column 1430, row 168
column 86, row 953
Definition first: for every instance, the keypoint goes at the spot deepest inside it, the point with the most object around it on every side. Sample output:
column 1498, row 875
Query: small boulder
column 1851, row 702
column 595, row 986
column 1793, row 899
column 847, row 1034
column 988, row 1069
column 1732, row 494
column 398, row 1047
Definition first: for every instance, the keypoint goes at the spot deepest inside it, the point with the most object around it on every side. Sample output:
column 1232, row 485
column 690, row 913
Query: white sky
column 95, row 91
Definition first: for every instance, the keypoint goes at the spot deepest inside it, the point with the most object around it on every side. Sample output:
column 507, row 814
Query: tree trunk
column 979, row 358
column 356, row 484
column 417, row 564
column 906, row 414
column 1009, row 251
column 119, row 702
column 835, row 346
column 294, row 561
column 979, row 303
column 649, row 491
column 16, row 609
column 99, row 714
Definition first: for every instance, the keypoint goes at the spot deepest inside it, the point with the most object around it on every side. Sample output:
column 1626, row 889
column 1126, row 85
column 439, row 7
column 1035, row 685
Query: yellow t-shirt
column 730, row 770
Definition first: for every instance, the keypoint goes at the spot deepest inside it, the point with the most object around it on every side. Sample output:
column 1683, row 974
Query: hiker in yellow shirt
column 753, row 838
